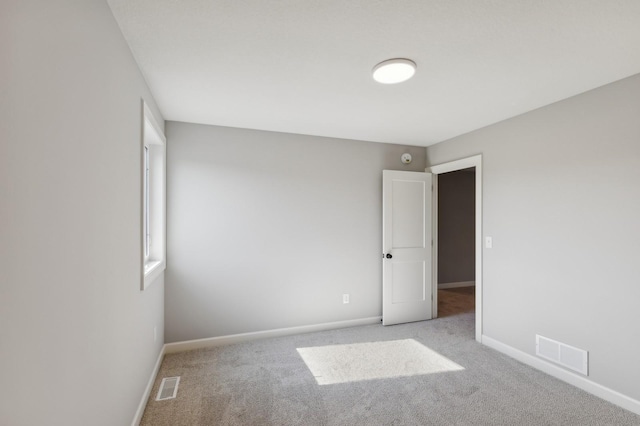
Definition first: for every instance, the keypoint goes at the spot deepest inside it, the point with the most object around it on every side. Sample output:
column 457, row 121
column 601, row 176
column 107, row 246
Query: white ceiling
column 304, row 66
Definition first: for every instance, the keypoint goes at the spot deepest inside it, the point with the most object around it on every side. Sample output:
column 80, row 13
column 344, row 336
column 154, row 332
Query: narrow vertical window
column 153, row 199
column 146, row 204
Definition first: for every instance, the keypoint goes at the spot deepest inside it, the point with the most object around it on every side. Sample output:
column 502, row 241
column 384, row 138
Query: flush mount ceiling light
column 394, row 71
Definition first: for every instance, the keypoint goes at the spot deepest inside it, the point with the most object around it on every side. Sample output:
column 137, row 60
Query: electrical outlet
column 345, row 298
column 488, row 242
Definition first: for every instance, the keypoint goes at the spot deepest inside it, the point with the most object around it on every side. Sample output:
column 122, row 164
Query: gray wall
column 456, row 226
column 268, row 230
column 76, row 332
column 562, row 203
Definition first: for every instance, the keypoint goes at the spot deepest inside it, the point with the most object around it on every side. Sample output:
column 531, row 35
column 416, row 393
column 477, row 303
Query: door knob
column 389, row 256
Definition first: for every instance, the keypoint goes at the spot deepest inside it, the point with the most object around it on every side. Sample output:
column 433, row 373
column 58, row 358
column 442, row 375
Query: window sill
column 152, row 270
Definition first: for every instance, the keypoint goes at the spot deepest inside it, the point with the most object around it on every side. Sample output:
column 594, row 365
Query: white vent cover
column 567, row 356
column 168, row 388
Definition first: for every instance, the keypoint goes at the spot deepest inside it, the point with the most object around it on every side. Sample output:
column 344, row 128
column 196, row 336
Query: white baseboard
column 456, row 284
column 576, row 380
column 245, row 337
column 147, row 391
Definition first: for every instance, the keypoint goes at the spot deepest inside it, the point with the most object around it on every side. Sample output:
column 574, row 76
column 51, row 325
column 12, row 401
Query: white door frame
column 452, row 166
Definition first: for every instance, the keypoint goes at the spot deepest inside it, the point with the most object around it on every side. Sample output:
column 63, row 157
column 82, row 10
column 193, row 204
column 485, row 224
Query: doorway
column 456, row 242
column 474, row 163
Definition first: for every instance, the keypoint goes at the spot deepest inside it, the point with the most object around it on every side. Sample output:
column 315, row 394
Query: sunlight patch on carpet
column 373, row 360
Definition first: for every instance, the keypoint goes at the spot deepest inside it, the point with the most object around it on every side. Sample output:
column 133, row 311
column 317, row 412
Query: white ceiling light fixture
column 394, row 71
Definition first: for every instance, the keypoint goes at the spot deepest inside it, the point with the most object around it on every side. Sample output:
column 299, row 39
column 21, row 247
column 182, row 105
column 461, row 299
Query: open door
column 406, row 247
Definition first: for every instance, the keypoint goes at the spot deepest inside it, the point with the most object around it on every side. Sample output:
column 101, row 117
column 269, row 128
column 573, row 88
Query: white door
column 406, row 247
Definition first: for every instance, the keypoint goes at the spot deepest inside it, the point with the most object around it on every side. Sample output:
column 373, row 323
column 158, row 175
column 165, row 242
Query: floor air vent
column 562, row 354
column 168, row 388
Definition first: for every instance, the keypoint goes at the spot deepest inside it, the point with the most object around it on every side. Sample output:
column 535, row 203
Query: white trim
column 560, row 373
column 147, row 390
column 443, row 286
column 452, row 166
column 154, row 263
column 170, row 348
column 434, row 245
column 465, row 163
column 153, row 270
column 148, row 114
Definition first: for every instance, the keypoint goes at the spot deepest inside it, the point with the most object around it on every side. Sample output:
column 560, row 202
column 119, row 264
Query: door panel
column 406, row 217
column 407, row 214
column 408, row 278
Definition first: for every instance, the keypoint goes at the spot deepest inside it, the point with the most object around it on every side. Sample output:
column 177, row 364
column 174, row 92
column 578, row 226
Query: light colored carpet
column 371, row 376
